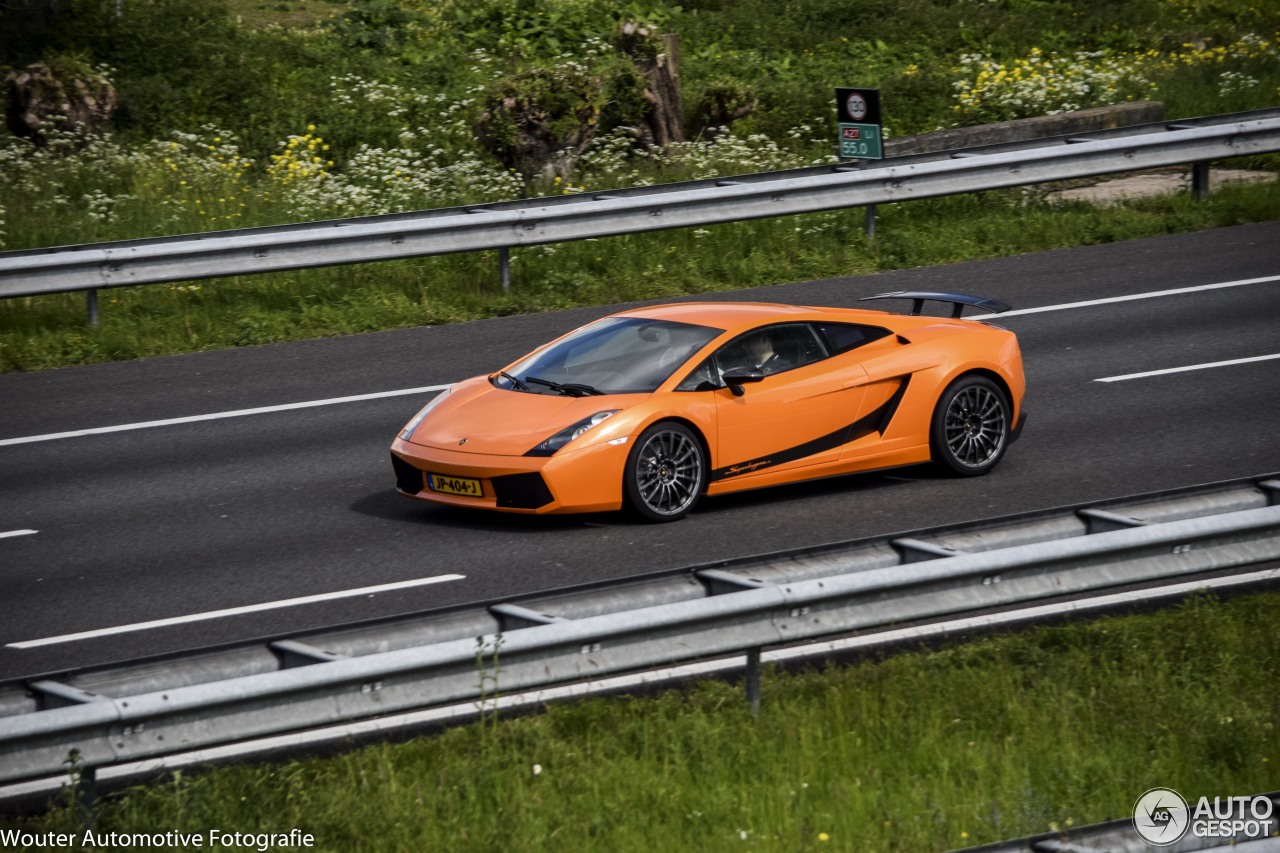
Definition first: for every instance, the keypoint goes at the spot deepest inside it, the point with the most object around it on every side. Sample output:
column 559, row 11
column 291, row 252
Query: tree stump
column 663, row 124
column 39, row 102
column 542, row 122
column 721, row 105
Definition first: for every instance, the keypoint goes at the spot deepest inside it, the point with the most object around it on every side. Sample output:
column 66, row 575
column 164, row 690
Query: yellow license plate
column 454, row 485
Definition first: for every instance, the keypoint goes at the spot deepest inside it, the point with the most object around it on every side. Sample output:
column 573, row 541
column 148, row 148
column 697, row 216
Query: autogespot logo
column 1161, row 817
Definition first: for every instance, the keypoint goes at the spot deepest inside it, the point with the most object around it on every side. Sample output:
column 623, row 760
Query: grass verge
column 51, row 331
column 931, row 750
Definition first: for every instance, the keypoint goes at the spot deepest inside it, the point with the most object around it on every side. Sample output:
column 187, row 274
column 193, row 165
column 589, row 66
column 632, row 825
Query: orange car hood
column 505, row 423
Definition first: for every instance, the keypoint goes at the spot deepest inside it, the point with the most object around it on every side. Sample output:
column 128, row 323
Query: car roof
column 734, row 316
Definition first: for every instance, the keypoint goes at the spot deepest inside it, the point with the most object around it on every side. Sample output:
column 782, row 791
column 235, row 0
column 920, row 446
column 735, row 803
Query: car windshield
column 617, row 355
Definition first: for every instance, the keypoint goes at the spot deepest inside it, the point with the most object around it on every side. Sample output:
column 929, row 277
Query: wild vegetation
column 234, row 113
column 1000, row 738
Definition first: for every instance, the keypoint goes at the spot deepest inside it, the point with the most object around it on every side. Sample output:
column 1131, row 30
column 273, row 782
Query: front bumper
column 582, row 480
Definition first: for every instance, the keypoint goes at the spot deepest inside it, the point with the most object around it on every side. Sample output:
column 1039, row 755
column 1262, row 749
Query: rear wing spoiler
column 958, row 301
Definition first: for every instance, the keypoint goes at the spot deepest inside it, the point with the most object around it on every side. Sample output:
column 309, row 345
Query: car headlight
column 407, row 432
column 569, row 433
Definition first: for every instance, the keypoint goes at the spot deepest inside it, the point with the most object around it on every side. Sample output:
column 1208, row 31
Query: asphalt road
column 187, row 519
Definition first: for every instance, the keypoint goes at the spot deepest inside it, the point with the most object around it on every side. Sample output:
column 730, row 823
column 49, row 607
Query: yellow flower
column 822, row 836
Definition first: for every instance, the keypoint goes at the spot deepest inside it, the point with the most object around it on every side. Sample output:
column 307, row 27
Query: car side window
column 842, row 337
column 703, row 378
column 773, row 349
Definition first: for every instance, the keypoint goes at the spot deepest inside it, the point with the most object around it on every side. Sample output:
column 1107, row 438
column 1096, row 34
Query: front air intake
column 522, row 491
column 408, row 479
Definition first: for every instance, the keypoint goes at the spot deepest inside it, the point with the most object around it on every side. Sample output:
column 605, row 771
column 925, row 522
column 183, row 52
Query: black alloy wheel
column 666, row 472
column 970, row 429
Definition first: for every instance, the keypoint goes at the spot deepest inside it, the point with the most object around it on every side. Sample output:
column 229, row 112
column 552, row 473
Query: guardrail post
column 1200, row 179
column 87, row 794
column 504, row 268
column 869, row 218
column 869, row 210
column 753, row 681
column 91, row 301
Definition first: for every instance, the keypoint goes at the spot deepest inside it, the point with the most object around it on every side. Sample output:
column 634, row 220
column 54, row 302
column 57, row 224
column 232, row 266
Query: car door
column 888, row 368
column 796, row 416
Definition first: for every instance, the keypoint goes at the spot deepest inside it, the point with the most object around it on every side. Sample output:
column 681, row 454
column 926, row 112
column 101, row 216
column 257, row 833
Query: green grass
column 51, row 331
column 931, row 750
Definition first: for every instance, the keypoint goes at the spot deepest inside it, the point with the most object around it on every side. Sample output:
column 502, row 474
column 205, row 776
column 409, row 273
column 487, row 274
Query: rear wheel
column 665, row 473
column 970, row 428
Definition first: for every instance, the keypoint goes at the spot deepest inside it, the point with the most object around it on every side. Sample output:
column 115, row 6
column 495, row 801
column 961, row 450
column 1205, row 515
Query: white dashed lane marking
column 1167, row 370
column 238, row 413
column 233, row 611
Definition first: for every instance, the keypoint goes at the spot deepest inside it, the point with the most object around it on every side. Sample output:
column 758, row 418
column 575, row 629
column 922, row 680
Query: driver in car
column 765, row 359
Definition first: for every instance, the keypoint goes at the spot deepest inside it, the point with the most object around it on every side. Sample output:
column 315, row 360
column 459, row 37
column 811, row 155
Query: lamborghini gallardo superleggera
column 654, row 408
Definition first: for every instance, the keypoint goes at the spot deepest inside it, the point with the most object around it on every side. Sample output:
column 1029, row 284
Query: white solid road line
column 1145, row 374
column 1177, row 291
column 233, row 611
column 219, row 415
column 17, row 533
column 407, row 391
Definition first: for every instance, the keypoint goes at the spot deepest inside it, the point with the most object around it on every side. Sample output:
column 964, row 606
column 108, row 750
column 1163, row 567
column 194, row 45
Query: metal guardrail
column 536, row 221
column 574, row 636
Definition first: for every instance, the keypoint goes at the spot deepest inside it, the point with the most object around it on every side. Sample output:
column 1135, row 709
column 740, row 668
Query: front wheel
column 665, row 472
column 970, row 428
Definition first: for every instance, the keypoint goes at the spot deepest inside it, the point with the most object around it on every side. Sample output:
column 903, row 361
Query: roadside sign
column 858, row 115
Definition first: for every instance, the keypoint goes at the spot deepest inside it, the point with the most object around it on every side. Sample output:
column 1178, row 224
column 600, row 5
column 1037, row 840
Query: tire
column 666, row 472
column 970, row 428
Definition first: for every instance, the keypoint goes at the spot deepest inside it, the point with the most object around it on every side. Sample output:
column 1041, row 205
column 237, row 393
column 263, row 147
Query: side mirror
column 736, row 377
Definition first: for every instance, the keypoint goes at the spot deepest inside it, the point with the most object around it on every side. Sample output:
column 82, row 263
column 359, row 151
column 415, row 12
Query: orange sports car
column 656, row 407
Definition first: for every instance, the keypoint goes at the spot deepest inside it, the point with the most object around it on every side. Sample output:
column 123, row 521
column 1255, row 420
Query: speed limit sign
column 859, row 122
column 856, row 103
